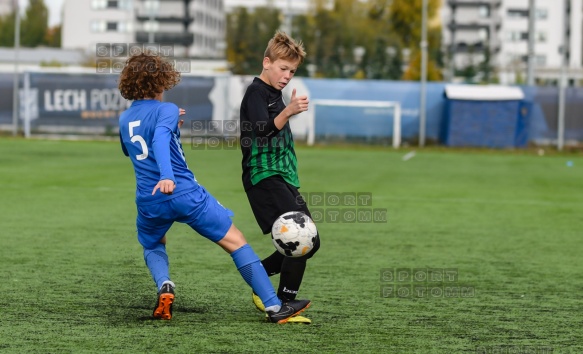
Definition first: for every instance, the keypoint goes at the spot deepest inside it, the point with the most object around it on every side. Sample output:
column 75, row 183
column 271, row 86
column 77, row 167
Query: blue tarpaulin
column 485, row 116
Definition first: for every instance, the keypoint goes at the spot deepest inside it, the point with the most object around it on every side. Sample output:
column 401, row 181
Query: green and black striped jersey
column 267, row 151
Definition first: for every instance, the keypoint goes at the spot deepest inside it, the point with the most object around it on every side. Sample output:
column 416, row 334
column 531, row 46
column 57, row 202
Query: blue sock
column 157, row 262
column 251, row 269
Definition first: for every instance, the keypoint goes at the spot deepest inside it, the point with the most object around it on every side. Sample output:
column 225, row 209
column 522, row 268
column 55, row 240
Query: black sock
column 290, row 279
column 292, row 271
column 272, row 264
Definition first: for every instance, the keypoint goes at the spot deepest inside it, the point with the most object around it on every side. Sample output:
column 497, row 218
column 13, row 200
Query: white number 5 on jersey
column 139, row 139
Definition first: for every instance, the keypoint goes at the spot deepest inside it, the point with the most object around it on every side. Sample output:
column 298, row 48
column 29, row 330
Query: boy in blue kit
column 166, row 190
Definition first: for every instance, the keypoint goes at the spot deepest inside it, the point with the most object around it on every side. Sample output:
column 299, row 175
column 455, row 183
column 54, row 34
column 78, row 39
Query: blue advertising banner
column 56, row 100
column 407, row 93
column 77, row 101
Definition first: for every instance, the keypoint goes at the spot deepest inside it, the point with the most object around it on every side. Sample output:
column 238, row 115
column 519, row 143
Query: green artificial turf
column 509, row 225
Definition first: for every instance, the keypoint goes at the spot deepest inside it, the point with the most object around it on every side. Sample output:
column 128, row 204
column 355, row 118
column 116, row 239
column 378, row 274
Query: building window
column 484, row 11
column 538, row 60
column 151, row 26
column 151, row 5
column 110, row 4
column 99, row 4
column 541, row 14
column 124, row 26
column 111, row 27
column 516, row 36
column 517, row 13
column 541, row 37
column 98, row 26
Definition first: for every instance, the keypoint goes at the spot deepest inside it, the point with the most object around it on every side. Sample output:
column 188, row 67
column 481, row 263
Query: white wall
column 209, row 28
column 551, row 27
column 77, row 32
column 576, row 33
column 5, row 7
column 295, row 6
column 512, row 50
column 79, row 15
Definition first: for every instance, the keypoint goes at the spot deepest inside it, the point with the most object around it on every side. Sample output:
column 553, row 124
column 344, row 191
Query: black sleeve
column 257, row 113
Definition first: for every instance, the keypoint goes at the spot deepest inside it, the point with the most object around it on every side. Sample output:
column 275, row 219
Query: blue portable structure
column 485, row 116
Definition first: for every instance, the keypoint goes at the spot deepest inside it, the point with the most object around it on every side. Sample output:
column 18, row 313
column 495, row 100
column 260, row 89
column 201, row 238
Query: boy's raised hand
column 297, row 104
column 181, row 112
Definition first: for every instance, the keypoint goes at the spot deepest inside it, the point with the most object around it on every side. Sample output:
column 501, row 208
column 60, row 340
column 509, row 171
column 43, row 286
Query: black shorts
column 272, row 197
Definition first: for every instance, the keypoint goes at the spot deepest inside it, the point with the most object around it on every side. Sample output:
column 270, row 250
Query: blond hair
column 282, row 46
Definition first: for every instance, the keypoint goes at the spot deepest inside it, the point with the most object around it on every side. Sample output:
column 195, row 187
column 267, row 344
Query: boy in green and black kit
column 270, row 176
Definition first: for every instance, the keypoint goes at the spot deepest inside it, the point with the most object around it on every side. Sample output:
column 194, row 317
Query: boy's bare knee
column 233, row 240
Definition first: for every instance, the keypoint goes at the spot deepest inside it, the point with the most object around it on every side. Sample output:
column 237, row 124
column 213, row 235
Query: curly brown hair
column 145, row 75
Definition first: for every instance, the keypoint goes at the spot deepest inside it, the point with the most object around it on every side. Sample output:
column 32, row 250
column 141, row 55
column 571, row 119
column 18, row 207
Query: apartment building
column 287, row 6
column 196, row 28
column 6, row 7
column 472, row 27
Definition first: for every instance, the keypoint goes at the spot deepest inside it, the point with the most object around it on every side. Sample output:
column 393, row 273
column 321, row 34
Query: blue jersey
column 150, row 136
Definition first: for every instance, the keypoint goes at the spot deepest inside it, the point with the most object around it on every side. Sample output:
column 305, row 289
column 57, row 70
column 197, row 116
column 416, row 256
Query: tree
column 477, row 67
column 301, row 28
column 395, row 69
column 406, row 21
column 237, row 24
column 341, row 41
column 485, row 67
column 53, row 36
column 350, row 39
column 383, row 50
column 33, row 27
column 468, row 72
column 7, row 30
column 379, row 60
column 34, row 24
column 247, row 37
column 413, row 71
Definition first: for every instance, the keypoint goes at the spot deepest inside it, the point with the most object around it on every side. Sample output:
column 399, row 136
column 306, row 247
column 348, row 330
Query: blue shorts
column 199, row 209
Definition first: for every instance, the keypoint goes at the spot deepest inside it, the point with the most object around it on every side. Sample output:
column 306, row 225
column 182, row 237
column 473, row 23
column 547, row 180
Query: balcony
column 181, row 38
column 167, row 19
column 184, row 1
column 477, row 23
column 469, row 3
column 476, row 47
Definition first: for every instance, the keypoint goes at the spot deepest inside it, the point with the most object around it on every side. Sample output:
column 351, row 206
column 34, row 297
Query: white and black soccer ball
column 293, row 234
